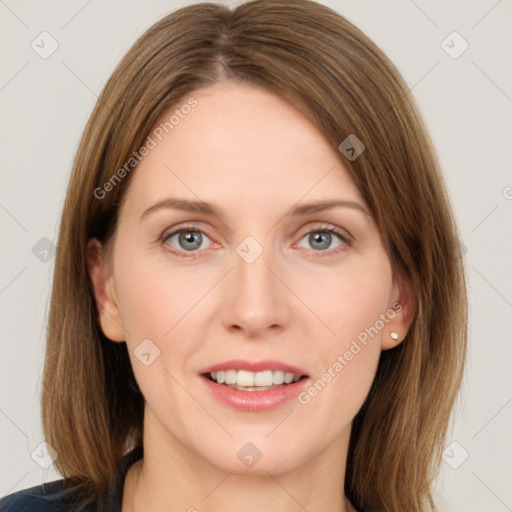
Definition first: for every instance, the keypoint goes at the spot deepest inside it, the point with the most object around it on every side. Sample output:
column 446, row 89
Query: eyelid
column 184, row 227
column 325, row 226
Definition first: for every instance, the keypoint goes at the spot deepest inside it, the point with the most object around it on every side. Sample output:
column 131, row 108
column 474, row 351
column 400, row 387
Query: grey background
column 466, row 102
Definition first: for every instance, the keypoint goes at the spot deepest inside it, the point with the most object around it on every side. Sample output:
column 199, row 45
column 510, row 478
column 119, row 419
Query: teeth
column 249, row 379
column 230, row 377
column 278, row 377
column 245, row 378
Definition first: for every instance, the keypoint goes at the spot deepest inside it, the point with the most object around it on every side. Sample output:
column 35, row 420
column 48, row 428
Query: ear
column 401, row 311
column 104, row 292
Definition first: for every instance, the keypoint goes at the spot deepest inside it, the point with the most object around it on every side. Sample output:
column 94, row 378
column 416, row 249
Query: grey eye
column 322, row 240
column 188, row 240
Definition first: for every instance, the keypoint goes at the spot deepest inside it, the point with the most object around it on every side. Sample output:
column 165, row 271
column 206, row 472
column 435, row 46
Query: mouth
column 245, row 380
column 254, row 386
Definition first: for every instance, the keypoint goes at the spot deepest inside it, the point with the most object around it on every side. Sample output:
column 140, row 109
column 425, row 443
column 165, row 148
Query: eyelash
column 195, row 254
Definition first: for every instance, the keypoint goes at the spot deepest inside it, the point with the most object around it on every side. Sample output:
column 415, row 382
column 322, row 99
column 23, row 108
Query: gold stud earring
column 394, row 335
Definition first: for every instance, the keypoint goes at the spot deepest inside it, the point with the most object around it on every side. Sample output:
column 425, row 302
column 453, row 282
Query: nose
column 256, row 301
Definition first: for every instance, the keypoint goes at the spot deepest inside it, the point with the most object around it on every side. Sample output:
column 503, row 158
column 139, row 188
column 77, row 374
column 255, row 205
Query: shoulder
column 65, row 496
column 47, row 497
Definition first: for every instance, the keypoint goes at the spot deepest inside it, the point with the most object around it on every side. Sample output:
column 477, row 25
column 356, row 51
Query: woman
column 259, row 296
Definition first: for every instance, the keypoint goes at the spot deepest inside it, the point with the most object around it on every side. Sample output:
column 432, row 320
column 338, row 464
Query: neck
column 170, row 477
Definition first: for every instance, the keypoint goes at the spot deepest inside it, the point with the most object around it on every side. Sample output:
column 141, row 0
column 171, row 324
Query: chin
column 255, row 455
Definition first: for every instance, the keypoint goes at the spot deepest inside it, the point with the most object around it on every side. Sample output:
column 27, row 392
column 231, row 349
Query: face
column 244, row 248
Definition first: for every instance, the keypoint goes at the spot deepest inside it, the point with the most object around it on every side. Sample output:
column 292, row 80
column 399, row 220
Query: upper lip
column 254, row 366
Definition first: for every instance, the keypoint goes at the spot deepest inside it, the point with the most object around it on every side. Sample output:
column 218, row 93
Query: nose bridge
column 255, row 301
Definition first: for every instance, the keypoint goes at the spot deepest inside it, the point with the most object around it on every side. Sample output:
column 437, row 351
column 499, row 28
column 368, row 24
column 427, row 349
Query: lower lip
column 254, row 401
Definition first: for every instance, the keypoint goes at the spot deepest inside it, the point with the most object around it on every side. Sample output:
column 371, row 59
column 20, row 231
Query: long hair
column 92, row 408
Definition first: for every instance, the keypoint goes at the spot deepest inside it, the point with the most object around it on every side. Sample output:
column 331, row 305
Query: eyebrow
column 206, row 208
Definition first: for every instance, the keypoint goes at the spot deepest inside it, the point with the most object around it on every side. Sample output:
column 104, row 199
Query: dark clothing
column 53, row 497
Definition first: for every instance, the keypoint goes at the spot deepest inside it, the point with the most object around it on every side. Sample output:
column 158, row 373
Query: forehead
column 240, row 143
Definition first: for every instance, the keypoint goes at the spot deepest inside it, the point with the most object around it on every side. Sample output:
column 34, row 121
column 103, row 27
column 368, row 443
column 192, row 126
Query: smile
column 253, row 381
column 254, row 387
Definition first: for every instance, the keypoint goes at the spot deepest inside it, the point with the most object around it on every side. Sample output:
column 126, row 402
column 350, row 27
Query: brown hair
column 92, row 408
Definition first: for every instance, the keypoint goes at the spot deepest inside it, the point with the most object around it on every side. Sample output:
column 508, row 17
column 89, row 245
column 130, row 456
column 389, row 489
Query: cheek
column 353, row 303
column 151, row 299
column 159, row 305
column 353, row 309
column 155, row 306
column 147, row 305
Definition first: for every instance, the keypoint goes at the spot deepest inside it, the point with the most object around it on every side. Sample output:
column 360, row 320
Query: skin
column 255, row 157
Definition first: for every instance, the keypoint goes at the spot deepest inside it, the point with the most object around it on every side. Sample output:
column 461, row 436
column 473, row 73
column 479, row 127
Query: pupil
column 320, row 240
column 190, row 240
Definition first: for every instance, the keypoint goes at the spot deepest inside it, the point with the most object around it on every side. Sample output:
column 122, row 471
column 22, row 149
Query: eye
column 187, row 239
column 324, row 239
column 192, row 240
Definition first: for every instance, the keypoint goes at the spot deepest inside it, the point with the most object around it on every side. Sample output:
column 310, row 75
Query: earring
column 394, row 335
